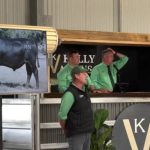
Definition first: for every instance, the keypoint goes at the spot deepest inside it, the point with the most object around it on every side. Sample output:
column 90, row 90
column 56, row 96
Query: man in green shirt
column 104, row 75
column 75, row 114
column 64, row 75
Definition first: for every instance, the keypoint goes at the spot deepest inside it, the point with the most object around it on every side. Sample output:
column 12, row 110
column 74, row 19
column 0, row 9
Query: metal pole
column 1, row 139
column 36, row 136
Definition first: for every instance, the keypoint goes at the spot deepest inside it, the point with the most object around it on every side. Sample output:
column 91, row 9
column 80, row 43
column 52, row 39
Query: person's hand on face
column 113, row 51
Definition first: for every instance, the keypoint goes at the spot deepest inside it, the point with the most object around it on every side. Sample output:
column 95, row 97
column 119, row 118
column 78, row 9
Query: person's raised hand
column 113, row 51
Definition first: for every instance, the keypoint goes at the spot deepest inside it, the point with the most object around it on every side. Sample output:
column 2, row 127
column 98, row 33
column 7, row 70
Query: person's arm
column 90, row 84
column 66, row 104
column 62, row 82
column 97, row 87
column 94, row 78
column 123, row 59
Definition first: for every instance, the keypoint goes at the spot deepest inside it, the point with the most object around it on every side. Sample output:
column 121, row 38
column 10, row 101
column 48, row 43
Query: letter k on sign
column 131, row 137
column 132, row 128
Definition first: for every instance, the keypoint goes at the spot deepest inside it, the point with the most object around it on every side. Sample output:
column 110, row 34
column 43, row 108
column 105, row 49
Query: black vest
column 80, row 116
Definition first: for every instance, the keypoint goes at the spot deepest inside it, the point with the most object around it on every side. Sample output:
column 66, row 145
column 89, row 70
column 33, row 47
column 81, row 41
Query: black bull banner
column 90, row 56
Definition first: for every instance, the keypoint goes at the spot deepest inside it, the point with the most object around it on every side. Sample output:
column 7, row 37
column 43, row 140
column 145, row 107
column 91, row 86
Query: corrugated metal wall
column 135, row 16
column 78, row 14
column 99, row 15
column 96, row 15
column 69, row 14
column 14, row 12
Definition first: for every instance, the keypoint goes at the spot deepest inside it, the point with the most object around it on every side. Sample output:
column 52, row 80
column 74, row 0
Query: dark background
column 136, row 72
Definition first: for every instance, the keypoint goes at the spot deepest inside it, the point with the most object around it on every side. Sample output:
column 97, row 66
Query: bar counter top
column 126, row 94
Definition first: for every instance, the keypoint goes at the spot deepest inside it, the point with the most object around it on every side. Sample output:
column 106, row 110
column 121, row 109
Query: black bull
column 14, row 53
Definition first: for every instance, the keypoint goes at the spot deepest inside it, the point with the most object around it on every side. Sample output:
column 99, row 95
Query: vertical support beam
column 36, row 99
column 44, row 10
column 40, row 14
column 33, row 122
column 33, row 12
column 1, row 139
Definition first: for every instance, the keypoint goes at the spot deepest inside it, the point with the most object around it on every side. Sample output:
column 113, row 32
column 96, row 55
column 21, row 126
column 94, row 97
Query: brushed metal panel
column 68, row 14
column 14, row 12
column 134, row 16
column 99, row 15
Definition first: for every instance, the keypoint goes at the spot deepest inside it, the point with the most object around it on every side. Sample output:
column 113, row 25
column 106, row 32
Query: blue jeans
column 80, row 142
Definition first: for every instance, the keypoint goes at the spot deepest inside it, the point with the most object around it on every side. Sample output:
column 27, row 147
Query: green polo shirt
column 64, row 78
column 100, row 76
column 66, row 104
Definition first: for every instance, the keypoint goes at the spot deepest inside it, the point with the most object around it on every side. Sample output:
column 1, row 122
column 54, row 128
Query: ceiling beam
column 105, row 38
